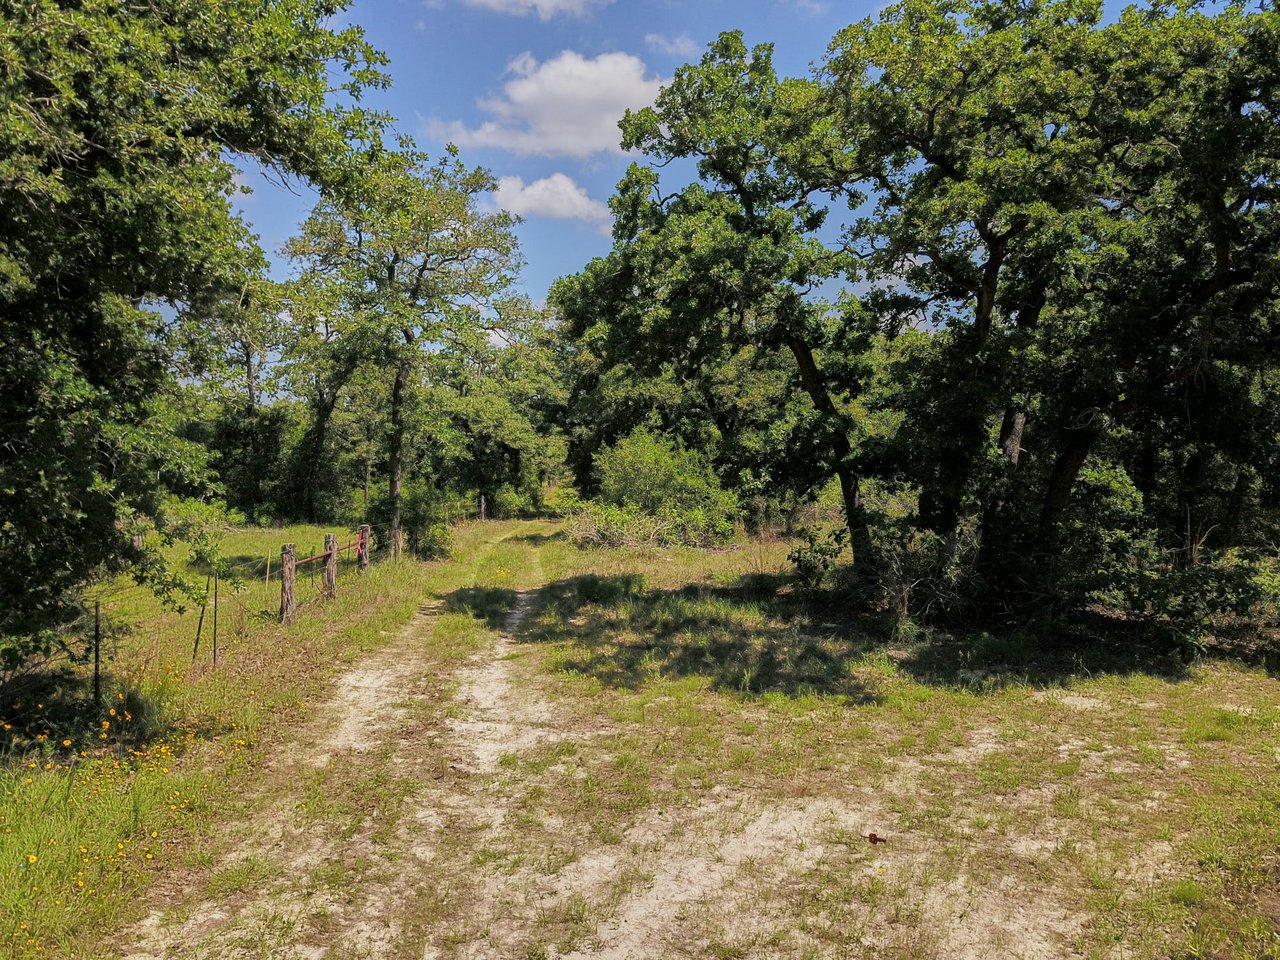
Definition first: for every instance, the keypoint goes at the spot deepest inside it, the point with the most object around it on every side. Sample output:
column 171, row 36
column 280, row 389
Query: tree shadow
column 756, row 636
column 52, row 712
column 493, row 605
column 248, row 567
column 625, row 635
column 981, row 658
column 539, row 539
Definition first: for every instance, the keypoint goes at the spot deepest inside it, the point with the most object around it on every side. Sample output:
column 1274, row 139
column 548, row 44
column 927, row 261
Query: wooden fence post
column 195, row 648
column 366, row 541
column 288, row 577
column 215, row 617
column 331, row 565
column 97, row 654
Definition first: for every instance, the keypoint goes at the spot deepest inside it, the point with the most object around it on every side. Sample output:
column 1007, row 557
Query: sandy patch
column 500, row 722
column 363, row 713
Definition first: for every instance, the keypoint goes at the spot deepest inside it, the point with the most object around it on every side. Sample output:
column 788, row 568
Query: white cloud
column 681, row 46
column 545, row 9
column 810, row 8
column 567, row 106
column 555, row 196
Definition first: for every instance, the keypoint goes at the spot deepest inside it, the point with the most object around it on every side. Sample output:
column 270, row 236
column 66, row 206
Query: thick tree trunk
column 993, row 533
column 1066, row 469
column 397, row 452
column 815, row 386
column 1011, row 430
column 965, row 436
column 315, row 457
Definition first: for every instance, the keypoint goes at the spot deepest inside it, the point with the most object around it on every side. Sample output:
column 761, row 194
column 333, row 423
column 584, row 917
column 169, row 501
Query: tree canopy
column 1057, row 241
column 1000, row 278
column 121, row 123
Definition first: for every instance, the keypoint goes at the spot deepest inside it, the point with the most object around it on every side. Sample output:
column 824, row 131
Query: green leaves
column 1063, row 238
column 120, row 248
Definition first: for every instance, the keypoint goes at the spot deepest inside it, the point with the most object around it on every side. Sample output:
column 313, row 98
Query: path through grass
column 616, row 754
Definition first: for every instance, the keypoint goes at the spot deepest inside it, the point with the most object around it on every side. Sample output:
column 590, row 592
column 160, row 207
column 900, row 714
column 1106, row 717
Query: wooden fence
column 289, row 564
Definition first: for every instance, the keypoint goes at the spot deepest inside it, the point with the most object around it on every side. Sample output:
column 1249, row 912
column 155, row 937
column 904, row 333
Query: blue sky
column 533, row 89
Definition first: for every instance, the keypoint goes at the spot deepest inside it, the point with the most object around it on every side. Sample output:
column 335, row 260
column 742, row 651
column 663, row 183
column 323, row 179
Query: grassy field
column 571, row 753
column 93, row 804
column 1113, row 794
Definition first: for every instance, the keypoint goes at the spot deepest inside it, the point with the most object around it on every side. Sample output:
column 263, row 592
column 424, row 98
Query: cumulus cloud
column 567, row 106
column 681, row 46
column 556, row 196
column 545, row 9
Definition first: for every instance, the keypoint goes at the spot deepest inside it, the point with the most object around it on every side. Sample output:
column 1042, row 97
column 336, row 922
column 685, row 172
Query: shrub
column 1113, row 559
column 609, row 525
column 654, row 492
column 507, row 502
column 817, row 554
column 422, row 517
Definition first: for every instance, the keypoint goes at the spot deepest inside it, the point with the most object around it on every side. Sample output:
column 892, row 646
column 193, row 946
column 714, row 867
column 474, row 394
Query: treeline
column 156, row 385
column 1049, row 384
column 396, row 377
column 1002, row 277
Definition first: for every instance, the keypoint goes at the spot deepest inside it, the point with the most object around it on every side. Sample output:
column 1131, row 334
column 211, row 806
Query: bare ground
column 453, row 861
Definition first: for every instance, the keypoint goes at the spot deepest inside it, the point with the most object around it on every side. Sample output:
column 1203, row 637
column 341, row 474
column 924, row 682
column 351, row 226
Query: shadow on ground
column 53, row 713
column 248, row 567
column 493, row 605
column 753, row 637
column 538, row 539
column 624, row 635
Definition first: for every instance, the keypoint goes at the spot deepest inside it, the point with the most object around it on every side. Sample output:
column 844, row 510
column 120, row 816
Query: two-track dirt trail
column 415, row 816
column 349, row 815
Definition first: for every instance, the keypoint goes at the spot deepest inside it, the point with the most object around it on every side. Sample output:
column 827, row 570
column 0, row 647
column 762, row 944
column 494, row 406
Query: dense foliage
column 996, row 284
column 119, row 245
column 148, row 361
column 653, row 491
column 1052, row 376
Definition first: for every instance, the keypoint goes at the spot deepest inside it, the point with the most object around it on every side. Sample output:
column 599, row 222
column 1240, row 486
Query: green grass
column 94, row 803
column 716, row 675
column 1115, row 782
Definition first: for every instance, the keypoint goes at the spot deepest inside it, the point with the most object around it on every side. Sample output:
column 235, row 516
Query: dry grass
column 665, row 753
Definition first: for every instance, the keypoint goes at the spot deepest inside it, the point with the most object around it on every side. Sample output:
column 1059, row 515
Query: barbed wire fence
column 89, row 635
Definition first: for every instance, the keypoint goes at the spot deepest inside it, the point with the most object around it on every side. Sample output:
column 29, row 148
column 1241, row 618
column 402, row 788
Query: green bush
column 653, row 491
column 817, row 554
column 1113, row 558
column 423, row 517
column 507, row 503
column 609, row 525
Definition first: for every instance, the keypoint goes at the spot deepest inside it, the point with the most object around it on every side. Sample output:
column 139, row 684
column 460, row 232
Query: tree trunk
column 1063, row 478
column 815, row 386
column 1011, row 430
column 993, row 535
column 368, row 468
column 397, row 451
column 251, row 421
column 1235, row 507
column 315, row 456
